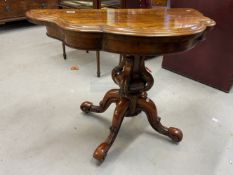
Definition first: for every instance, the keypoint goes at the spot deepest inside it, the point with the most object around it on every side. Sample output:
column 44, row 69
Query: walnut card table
column 134, row 33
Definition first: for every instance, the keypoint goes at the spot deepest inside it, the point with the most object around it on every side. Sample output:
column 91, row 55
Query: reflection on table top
column 136, row 22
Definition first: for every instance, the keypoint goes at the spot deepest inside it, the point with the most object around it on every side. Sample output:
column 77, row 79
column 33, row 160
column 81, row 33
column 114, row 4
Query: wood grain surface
column 135, row 22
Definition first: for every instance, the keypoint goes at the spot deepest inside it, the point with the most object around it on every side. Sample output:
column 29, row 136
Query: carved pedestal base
column 130, row 99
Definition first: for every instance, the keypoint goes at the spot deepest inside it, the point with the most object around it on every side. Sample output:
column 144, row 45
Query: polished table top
column 136, row 22
column 125, row 31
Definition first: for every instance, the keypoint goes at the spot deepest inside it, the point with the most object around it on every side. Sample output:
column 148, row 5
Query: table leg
column 98, row 63
column 64, row 50
column 149, row 108
column 110, row 97
column 118, row 116
column 134, row 80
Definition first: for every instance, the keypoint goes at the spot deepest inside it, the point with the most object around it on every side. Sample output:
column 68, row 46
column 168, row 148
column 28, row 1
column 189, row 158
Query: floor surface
column 44, row 132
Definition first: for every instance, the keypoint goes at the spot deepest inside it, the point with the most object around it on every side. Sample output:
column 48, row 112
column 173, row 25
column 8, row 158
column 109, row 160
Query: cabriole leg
column 110, row 97
column 149, row 108
column 118, row 116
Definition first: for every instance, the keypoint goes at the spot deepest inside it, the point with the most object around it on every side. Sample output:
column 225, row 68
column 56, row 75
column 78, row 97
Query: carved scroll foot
column 110, row 97
column 175, row 134
column 118, row 116
column 149, row 108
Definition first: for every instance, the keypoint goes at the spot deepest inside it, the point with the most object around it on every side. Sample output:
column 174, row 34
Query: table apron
column 123, row 44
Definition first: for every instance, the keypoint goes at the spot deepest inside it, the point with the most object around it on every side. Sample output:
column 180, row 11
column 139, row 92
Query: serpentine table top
column 101, row 29
column 134, row 33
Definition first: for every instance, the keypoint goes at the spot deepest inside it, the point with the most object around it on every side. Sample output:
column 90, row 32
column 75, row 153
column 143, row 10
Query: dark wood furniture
column 97, row 4
column 135, row 33
column 146, row 3
column 211, row 62
column 12, row 10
